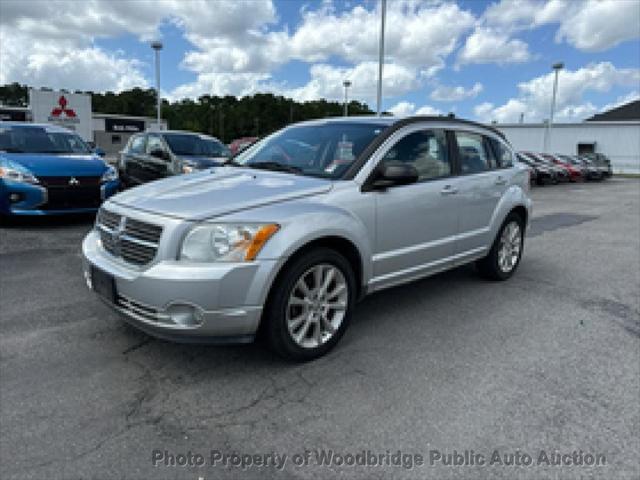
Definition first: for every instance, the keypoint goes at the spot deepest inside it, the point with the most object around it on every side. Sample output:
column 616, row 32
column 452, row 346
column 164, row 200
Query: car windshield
column 325, row 150
column 195, row 145
column 34, row 139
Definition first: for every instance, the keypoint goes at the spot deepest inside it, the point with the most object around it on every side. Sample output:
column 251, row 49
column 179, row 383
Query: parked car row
column 545, row 168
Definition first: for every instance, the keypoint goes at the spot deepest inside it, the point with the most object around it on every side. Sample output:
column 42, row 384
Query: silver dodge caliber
column 284, row 239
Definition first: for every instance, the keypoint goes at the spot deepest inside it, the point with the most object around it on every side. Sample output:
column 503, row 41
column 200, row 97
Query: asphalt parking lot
column 549, row 360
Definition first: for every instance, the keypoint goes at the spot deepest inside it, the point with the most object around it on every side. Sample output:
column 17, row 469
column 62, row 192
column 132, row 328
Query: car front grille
column 134, row 241
column 71, row 192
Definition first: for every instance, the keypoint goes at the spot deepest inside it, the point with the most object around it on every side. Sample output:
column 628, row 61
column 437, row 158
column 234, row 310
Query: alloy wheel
column 317, row 305
column 510, row 247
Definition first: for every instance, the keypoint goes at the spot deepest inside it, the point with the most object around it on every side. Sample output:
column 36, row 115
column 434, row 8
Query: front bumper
column 31, row 199
column 212, row 303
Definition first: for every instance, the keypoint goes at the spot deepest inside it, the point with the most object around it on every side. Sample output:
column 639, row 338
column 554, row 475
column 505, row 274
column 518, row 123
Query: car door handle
column 448, row 190
column 501, row 181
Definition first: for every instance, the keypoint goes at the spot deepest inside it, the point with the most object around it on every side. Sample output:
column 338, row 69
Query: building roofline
column 573, row 124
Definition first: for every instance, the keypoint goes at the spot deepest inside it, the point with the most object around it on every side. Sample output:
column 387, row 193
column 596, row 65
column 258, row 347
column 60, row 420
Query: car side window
column 472, row 153
column 154, row 143
column 426, row 150
column 137, row 144
column 505, row 157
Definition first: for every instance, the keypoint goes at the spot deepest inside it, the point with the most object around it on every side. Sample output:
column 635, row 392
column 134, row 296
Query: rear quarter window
column 503, row 153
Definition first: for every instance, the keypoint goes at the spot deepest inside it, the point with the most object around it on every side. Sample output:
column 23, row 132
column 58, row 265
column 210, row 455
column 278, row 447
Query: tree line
column 225, row 117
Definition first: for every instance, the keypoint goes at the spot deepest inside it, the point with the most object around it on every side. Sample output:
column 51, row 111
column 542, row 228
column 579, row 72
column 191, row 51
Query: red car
column 575, row 174
column 241, row 143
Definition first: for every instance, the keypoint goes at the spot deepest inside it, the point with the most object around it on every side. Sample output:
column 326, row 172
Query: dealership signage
column 123, row 125
column 69, row 110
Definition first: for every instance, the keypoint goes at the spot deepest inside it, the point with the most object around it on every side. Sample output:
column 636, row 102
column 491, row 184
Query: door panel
column 416, row 224
column 134, row 155
column 481, row 187
column 155, row 168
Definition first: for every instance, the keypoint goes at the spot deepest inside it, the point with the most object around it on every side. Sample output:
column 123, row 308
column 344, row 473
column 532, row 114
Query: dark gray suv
column 153, row 155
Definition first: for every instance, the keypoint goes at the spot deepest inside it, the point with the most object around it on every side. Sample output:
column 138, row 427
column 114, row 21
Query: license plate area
column 103, row 284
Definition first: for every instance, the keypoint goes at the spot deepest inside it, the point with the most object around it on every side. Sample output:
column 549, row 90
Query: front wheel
column 506, row 251
column 310, row 305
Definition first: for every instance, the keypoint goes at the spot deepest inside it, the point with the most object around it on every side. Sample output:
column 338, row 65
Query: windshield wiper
column 11, row 150
column 275, row 166
column 232, row 162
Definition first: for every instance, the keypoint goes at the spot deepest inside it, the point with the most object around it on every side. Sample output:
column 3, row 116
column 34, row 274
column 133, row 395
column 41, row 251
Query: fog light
column 186, row 315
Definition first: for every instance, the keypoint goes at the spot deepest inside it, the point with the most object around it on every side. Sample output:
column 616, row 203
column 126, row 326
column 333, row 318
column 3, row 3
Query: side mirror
column 396, row 173
column 98, row 151
column 159, row 153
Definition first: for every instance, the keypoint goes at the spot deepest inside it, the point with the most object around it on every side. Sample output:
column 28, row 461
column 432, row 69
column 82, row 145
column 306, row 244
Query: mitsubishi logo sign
column 62, row 109
column 73, row 181
column 69, row 110
column 63, row 115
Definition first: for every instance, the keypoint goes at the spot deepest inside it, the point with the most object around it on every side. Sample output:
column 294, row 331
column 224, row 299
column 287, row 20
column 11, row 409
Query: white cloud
column 534, row 99
column 65, row 64
column 599, row 25
column 589, row 25
column 429, row 33
column 487, row 45
column 51, row 43
column 403, row 109
column 444, row 93
column 326, row 82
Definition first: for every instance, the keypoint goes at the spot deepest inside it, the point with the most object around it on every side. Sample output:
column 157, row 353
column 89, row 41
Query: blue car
column 47, row 170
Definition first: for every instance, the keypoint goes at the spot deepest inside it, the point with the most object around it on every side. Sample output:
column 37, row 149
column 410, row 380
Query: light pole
column 383, row 14
column 346, row 84
column 157, row 46
column 556, row 67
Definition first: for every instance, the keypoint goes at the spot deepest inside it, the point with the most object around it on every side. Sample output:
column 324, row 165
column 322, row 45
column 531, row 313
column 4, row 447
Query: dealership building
column 73, row 111
column 615, row 133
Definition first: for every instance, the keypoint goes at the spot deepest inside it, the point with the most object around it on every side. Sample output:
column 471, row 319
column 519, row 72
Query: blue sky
column 488, row 60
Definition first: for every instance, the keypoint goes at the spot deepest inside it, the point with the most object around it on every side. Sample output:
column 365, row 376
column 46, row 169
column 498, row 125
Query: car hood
column 52, row 165
column 203, row 162
column 218, row 191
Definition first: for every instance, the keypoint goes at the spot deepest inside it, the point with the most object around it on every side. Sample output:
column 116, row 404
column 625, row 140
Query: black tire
column 274, row 327
column 489, row 266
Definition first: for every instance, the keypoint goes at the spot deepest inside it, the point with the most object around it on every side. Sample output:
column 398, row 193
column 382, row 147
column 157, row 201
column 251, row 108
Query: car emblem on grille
column 116, row 235
column 73, row 181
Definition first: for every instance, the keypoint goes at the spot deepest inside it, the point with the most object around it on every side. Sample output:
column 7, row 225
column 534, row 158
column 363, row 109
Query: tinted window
column 40, row 140
column 323, row 150
column 505, row 157
column 195, row 145
column 154, row 143
column 426, row 150
column 472, row 153
column 137, row 144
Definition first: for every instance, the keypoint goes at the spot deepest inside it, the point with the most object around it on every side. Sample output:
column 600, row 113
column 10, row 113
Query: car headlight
column 226, row 242
column 110, row 175
column 188, row 167
column 17, row 173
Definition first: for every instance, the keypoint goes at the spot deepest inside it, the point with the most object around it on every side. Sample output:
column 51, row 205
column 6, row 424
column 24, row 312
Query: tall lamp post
column 346, row 85
column 383, row 14
column 556, row 67
column 157, row 46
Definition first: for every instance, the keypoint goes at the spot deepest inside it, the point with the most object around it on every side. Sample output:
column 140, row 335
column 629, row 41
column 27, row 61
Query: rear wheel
column 310, row 305
column 504, row 257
